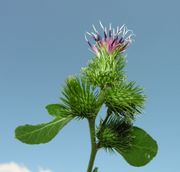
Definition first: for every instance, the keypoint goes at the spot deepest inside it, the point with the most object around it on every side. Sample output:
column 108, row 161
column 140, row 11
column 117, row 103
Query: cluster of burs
column 102, row 83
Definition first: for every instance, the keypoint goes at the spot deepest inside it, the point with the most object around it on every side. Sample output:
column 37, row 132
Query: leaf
column 144, row 148
column 95, row 169
column 56, row 110
column 42, row 133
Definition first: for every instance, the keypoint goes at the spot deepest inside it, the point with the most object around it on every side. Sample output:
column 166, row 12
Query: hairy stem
column 93, row 144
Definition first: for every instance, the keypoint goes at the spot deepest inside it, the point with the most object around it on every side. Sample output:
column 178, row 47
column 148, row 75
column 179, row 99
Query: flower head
column 112, row 41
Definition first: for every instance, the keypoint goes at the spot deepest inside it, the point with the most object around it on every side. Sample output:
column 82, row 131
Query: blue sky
column 42, row 42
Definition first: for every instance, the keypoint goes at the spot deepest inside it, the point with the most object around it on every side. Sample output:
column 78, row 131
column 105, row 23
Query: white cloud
column 44, row 170
column 14, row 167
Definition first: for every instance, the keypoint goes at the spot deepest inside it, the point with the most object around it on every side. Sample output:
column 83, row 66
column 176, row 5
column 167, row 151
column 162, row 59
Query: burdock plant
column 102, row 82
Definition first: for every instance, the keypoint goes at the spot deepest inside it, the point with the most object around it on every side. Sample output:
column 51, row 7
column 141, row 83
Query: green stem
column 93, row 144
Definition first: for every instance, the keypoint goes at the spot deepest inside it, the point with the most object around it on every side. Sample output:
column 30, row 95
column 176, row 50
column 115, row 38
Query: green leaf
column 144, row 148
column 56, row 110
column 95, row 169
column 42, row 133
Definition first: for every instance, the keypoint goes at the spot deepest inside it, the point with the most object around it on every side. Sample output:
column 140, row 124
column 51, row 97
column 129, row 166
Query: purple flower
column 112, row 41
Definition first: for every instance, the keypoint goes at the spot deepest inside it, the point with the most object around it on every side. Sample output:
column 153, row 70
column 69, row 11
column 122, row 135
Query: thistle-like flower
column 113, row 40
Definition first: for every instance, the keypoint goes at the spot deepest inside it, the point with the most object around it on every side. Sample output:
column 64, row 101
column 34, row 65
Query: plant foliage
column 101, row 82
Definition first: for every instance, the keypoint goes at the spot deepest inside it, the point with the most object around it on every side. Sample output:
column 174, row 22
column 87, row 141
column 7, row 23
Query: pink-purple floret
column 112, row 41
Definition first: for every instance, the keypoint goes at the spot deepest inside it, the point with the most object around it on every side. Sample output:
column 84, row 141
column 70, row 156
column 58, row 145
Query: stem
column 93, row 144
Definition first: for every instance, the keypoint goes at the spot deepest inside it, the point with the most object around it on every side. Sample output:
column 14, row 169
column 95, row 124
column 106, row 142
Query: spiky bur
column 114, row 134
column 105, row 71
column 125, row 100
column 80, row 98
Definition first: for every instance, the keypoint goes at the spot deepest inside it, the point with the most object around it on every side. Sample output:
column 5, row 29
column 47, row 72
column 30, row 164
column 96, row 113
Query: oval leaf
column 42, row 133
column 144, row 148
column 54, row 109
